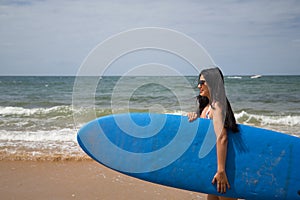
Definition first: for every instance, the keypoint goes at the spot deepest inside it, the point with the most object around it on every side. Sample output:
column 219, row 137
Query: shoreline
column 79, row 180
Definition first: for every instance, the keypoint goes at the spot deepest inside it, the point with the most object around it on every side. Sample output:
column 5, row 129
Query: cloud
column 39, row 35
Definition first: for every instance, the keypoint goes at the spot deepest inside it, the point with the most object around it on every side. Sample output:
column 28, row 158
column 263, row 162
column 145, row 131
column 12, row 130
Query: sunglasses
column 201, row 82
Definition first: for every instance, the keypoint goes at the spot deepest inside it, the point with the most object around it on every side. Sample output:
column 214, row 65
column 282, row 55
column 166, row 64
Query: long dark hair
column 215, row 82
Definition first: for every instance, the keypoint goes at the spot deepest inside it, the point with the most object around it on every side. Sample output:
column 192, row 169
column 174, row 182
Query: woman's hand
column 221, row 180
column 192, row 116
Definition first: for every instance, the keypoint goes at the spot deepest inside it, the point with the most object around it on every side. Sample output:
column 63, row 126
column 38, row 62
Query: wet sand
column 78, row 180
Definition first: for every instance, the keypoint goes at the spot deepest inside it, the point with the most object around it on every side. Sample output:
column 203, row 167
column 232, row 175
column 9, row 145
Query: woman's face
column 203, row 87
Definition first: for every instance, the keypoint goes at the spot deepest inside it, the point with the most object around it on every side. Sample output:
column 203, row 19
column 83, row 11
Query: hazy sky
column 53, row 37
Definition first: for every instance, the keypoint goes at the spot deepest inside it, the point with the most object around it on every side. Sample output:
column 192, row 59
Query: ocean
column 40, row 116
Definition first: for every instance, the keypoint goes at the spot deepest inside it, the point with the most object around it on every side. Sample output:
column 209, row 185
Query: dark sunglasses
column 201, row 82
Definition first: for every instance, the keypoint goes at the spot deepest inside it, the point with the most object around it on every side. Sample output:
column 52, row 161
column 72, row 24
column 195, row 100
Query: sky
column 54, row 37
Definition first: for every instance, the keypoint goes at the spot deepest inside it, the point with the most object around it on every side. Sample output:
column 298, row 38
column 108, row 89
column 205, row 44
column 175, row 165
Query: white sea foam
column 285, row 120
column 177, row 112
column 63, row 135
column 44, row 145
column 29, row 135
column 5, row 111
column 246, row 118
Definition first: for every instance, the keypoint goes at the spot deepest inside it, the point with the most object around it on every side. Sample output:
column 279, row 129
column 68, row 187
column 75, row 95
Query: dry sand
column 78, row 180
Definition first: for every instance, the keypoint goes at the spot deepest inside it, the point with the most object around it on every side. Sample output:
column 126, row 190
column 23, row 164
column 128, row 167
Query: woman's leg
column 226, row 198
column 212, row 197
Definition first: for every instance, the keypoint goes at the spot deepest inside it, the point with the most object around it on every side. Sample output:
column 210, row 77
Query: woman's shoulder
column 218, row 105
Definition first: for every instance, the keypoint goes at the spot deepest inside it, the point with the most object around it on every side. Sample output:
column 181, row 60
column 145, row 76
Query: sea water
column 39, row 118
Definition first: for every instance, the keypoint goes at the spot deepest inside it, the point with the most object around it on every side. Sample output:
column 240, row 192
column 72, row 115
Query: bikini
column 207, row 113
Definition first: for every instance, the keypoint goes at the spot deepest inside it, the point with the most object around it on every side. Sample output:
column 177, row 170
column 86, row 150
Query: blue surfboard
column 167, row 149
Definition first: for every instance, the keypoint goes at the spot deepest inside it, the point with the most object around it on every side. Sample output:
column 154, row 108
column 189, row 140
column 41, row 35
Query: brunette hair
column 215, row 82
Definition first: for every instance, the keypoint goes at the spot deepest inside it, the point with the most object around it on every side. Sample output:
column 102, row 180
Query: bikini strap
column 207, row 112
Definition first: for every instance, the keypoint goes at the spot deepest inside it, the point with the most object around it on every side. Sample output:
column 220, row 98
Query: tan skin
column 220, row 177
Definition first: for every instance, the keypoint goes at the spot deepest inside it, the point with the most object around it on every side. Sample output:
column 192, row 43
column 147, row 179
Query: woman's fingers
column 214, row 180
column 192, row 116
column 222, row 183
column 228, row 185
column 221, row 187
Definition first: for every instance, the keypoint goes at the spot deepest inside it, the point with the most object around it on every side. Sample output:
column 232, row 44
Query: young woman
column 213, row 104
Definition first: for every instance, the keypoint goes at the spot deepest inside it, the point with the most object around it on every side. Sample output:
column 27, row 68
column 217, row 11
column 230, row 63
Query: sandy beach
column 78, row 180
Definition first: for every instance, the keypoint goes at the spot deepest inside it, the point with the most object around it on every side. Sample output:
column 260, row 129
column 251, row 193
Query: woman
column 213, row 104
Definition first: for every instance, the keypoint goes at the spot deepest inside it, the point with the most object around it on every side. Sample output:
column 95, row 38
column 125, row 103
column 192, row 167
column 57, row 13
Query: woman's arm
column 222, row 142
column 220, row 177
